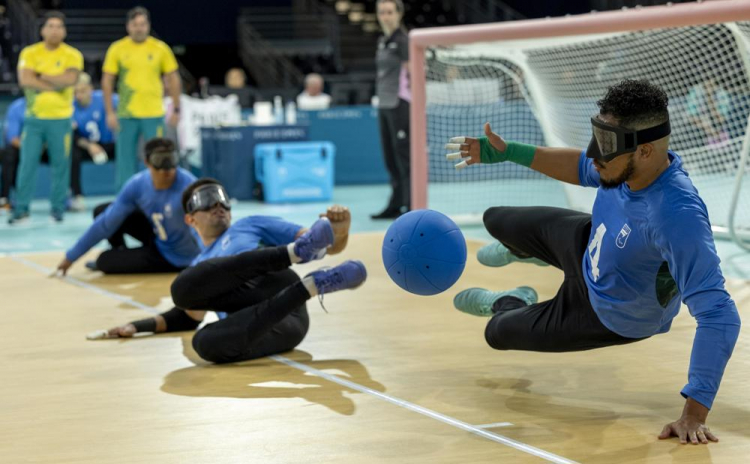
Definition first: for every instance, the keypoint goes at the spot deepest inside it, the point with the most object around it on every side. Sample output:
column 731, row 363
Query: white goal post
column 537, row 81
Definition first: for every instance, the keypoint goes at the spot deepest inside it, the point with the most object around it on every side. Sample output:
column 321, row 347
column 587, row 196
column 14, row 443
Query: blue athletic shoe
column 478, row 301
column 347, row 275
column 313, row 243
column 496, row 255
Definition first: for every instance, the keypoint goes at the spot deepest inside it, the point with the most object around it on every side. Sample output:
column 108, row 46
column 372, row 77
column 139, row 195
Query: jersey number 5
column 158, row 218
column 595, row 249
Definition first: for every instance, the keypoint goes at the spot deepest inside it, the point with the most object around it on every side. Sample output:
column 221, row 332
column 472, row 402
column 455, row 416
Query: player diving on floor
column 148, row 209
column 646, row 247
column 243, row 273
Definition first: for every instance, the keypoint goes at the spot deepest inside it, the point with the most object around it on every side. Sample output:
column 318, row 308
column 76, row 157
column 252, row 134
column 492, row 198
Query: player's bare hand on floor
column 62, row 268
column 123, row 331
column 688, row 428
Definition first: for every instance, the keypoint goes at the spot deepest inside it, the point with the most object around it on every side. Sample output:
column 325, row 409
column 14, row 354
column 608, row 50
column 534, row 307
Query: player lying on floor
column 646, row 247
column 243, row 273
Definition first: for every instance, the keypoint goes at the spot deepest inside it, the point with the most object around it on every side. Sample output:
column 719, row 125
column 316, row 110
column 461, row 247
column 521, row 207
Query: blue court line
column 476, row 430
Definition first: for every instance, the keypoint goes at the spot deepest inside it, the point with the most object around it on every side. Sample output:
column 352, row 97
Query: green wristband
column 519, row 153
column 489, row 154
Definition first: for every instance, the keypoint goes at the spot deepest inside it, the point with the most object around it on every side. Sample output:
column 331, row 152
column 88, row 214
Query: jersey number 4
column 595, row 249
column 158, row 218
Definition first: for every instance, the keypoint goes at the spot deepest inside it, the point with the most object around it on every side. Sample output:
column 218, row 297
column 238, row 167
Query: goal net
column 544, row 91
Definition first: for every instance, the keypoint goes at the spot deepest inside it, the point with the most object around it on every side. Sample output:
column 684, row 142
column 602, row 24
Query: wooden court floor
column 384, row 377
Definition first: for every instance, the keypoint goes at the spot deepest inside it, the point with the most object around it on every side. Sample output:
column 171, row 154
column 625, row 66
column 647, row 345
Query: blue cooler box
column 295, row 171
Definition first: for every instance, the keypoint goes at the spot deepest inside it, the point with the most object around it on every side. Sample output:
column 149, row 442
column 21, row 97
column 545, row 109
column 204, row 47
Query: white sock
column 309, row 283
column 292, row 255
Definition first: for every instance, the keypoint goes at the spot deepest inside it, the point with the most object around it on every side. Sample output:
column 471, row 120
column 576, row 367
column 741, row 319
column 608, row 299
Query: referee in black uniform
column 394, row 95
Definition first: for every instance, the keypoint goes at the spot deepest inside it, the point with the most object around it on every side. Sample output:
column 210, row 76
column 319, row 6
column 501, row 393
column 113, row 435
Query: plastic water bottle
column 291, row 113
column 278, row 109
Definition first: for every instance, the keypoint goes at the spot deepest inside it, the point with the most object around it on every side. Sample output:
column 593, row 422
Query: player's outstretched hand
column 688, row 428
column 468, row 150
column 123, row 331
column 62, row 268
column 341, row 220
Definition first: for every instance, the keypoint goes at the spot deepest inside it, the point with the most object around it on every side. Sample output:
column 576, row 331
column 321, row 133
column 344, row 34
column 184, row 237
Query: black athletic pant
column 10, row 157
column 264, row 298
column 394, row 137
column 567, row 322
column 146, row 259
column 78, row 155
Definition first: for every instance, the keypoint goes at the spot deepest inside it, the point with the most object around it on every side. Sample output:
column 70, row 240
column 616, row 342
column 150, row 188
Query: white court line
column 47, row 271
column 494, row 426
column 34, row 251
column 428, row 412
column 476, row 430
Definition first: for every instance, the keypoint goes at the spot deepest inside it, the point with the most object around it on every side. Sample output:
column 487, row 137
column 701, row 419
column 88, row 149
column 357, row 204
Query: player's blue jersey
column 634, row 235
column 174, row 239
column 91, row 121
column 248, row 234
column 14, row 120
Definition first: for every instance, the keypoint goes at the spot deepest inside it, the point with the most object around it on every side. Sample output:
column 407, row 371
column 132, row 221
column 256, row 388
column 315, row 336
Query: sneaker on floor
column 77, row 204
column 18, row 218
column 91, row 265
column 347, row 275
column 495, row 254
column 56, row 217
column 478, row 301
column 391, row 213
column 313, row 243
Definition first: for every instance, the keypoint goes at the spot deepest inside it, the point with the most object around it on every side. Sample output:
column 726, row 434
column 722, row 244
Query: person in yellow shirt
column 47, row 72
column 138, row 61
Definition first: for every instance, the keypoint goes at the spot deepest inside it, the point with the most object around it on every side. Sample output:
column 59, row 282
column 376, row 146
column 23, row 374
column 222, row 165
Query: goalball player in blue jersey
column 646, row 247
column 92, row 139
column 243, row 274
column 149, row 209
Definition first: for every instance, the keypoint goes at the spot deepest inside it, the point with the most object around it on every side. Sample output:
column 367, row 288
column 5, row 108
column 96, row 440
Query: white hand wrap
column 98, row 335
column 455, row 144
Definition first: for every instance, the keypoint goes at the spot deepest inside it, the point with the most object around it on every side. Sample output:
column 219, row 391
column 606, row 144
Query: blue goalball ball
column 424, row 252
